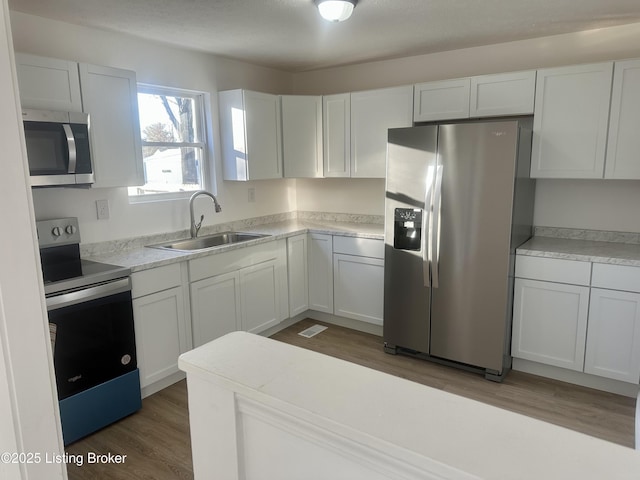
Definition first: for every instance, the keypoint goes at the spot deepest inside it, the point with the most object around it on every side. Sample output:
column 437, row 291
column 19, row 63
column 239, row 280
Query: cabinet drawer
column 616, row 277
column 155, row 280
column 364, row 247
column 553, row 270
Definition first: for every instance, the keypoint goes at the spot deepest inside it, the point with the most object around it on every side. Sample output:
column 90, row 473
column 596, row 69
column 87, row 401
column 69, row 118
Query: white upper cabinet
column 251, row 138
column 373, row 112
column 302, row 136
column 48, row 83
column 502, row 94
column 571, row 117
column 480, row 96
column 623, row 147
column 336, row 138
column 442, row 100
column 110, row 97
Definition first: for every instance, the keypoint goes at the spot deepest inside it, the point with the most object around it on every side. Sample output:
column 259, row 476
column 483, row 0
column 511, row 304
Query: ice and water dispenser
column 407, row 229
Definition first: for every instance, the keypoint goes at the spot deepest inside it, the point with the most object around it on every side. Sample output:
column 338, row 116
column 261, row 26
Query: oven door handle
column 87, row 294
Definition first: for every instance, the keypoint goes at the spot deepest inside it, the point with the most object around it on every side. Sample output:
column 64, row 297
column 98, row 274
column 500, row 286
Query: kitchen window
column 173, row 127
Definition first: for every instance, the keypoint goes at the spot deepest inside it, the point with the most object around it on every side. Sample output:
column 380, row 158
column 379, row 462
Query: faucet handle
column 199, row 224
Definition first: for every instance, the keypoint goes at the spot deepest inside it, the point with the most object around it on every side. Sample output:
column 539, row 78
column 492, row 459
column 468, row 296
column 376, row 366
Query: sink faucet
column 195, row 227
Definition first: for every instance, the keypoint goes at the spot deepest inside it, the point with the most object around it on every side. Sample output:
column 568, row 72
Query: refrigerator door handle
column 426, row 260
column 435, row 227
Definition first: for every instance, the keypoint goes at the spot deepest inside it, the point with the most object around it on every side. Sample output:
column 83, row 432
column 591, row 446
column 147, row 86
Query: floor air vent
column 311, row 331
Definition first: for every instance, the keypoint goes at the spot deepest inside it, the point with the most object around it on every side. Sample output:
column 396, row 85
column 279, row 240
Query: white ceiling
column 290, row 35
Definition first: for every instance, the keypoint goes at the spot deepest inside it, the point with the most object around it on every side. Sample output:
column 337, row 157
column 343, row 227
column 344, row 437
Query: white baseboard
column 162, row 384
column 577, row 378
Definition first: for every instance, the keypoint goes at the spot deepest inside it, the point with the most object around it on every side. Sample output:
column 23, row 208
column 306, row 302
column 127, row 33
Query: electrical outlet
column 252, row 195
column 102, row 208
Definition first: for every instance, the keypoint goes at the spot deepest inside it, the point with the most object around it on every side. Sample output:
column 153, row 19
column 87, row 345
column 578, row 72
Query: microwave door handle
column 71, row 144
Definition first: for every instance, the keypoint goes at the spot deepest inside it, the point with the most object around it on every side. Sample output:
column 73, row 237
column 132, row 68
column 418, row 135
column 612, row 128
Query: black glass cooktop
column 63, row 269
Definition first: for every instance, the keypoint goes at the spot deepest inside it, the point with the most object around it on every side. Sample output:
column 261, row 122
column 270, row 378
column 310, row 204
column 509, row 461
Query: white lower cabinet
column 162, row 325
column 297, row 267
column 320, row 263
column 358, row 280
column 260, row 297
column 550, row 323
column 248, row 291
column 613, row 339
column 215, row 307
column 593, row 327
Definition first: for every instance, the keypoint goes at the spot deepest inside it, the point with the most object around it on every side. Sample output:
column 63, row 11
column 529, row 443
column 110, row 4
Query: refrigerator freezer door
column 469, row 305
column 411, row 160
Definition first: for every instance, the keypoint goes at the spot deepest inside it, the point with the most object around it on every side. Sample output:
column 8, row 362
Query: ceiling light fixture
column 336, row 10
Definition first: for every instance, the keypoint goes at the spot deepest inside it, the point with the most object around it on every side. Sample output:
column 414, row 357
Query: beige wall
column 162, row 65
column 589, row 46
column 599, row 205
column 558, row 202
column 344, row 195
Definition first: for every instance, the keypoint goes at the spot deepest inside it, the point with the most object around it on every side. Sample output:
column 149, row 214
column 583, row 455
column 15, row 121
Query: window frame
column 202, row 105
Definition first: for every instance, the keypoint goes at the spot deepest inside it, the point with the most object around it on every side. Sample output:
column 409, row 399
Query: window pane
column 170, row 170
column 168, row 118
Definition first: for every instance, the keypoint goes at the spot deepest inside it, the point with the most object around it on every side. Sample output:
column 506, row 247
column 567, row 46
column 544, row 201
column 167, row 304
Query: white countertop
column 413, row 421
column 142, row 258
column 582, row 250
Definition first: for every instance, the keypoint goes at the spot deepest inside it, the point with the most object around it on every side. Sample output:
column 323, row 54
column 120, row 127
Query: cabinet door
column 298, row 274
column 110, row 97
column 372, row 114
column 48, row 83
column 443, row 100
column 623, row 159
column 321, row 272
column 570, row 121
column 336, row 134
column 302, row 136
column 260, row 296
column 550, row 323
column 358, row 287
column 613, row 338
column 502, row 94
column 159, row 320
column 215, row 307
column 264, row 141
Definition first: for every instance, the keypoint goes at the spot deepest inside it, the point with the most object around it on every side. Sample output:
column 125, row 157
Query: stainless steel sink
column 209, row 241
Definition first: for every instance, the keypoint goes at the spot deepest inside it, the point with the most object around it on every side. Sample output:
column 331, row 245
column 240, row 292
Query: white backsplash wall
column 159, row 64
column 341, row 195
column 612, row 205
column 131, row 220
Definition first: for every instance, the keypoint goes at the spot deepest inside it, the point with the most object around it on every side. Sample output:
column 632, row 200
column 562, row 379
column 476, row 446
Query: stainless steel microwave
column 58, row 149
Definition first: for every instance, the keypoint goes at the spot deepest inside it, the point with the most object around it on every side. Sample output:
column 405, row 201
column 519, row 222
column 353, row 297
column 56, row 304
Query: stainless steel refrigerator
column 459, row 201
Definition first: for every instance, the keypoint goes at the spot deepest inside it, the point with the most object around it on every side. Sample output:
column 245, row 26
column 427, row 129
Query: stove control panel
column 59, row 231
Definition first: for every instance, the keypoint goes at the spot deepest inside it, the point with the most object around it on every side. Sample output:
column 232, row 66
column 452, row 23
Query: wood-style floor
column 156, row 439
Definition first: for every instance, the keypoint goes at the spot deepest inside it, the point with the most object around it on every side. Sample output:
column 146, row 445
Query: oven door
column 92, row 336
